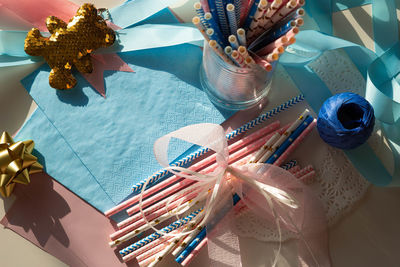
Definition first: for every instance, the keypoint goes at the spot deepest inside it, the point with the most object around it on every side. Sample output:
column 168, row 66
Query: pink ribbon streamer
column 267, row 190
column 36, row 12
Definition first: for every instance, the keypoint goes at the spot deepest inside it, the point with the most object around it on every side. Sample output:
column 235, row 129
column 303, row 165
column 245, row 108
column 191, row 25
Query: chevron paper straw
column 289, row 164
column 200, row 14
column 244, row 128
column 296, row 143
column 188, row 159
column 223, row 22
column 173, row 226
column 238, row 9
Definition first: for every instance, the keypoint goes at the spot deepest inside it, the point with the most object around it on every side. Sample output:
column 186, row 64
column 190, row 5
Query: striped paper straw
column 233, row 41
column 200, row 14
column 213, row 36
column 223, row 22
column 204, row 5
column 238, row 8
column 199, row 26
column 150, row 252
column 230, row 11
column 289, row 164
column 244, row 128
column 238, row 59
column 163, row 253
column 296, row 143
column 156, row 235
column 214, row 25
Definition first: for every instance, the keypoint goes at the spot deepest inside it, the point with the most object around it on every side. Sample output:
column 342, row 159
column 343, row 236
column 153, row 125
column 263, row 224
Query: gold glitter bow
column 16, row 163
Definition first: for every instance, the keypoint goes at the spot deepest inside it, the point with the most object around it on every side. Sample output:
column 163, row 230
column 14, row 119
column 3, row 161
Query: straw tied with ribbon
column 269, row 191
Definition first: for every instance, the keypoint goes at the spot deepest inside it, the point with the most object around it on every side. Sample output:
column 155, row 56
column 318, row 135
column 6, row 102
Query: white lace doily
column 338, row 184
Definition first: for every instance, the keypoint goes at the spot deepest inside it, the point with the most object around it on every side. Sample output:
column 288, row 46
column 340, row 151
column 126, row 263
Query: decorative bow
column 16, row 163
column 269, row 191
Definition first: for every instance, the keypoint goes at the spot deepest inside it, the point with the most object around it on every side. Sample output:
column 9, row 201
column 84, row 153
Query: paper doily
column 338, row 184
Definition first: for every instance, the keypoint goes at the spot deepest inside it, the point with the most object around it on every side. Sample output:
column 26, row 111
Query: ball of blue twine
column 346, row 120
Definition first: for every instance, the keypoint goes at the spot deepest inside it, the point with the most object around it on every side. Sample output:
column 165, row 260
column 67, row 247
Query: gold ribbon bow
column 16, row 163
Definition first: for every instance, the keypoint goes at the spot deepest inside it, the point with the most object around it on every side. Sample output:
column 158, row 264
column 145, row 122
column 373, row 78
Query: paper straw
column 198, row 166
column 282, row 148
column 158, row 220
column 238, row 59
column 285, row 135
column 289, row 165
column 152, row 215
column 300, row 3
column 200, row 14
column 241, row 35
column 223, row 22
column 212, row 35
column 250, row 15
column 195, row 252
column 271, row 57
column 156, row 235
column 263, row 64
column 186, row 182
column 270, row 47
column 163, row 253
column 200, row 236
column 243, row 51
column 294, row 169
column 304, row 171
column 265, row 147
column 230, row 11
column 296, row 143
column 299, row 22
column 308, row 178
column 284, row 11
column 244, row 128
column 233, row 41
column 238, row 8
column 291, row 41
column 196, row 22
column 272, row 9
column 204, row 5
column 262, row 5
column 292, row 32
column 249, row 61
column 150, row 252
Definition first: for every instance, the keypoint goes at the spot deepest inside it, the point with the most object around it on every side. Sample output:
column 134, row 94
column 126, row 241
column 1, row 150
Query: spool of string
column 346, row 120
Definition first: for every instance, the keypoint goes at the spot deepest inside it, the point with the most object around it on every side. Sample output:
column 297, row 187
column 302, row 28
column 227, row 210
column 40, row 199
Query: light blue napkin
column 99, row 147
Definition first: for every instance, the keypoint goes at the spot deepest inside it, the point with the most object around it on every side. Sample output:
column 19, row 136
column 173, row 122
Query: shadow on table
column 40, row 217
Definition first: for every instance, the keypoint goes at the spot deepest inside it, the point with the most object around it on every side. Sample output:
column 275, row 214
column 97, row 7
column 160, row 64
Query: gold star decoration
column 16, row 163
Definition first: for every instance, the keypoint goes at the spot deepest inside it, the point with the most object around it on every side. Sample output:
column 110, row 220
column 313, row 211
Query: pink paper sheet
column 56, row 220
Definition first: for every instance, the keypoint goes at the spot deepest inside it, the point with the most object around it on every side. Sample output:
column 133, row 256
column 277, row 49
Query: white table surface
column 369, row 236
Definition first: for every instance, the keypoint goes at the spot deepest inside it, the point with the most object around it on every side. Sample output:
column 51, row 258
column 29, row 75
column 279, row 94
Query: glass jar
column 230, row 86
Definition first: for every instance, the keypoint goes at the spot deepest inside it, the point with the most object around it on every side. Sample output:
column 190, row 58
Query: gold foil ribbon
column 16, row 163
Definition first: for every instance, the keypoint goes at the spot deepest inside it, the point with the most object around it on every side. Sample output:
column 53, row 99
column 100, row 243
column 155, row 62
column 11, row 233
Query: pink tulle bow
column 269, row 191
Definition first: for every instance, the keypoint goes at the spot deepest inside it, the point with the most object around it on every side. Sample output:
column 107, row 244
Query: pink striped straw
column 308, row 178
column 151, row 252
column 195, row 167
column 186, row 182
column 194, row 252
column 295, row 144
column 304, row 171
column 152, row 216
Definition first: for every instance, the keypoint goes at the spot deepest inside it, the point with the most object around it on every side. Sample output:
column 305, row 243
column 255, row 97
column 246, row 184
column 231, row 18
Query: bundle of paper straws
column 271, row 144
column 247, row 32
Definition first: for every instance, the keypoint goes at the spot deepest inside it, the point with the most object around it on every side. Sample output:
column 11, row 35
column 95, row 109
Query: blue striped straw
column 250, row 15
column 244, row 128
column 238, row 9
column 200, row 14
column 233, row 41
column 223, row 22
column 289, row 165
column 289, row 140
column 230, row 10
column 214, row 25
column 173, row 226
column 241, row 35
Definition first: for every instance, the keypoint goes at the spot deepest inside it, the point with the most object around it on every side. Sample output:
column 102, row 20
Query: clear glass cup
column 233, row 87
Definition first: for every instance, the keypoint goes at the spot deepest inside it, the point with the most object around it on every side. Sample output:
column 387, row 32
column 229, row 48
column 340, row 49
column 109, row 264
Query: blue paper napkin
column 99, row 147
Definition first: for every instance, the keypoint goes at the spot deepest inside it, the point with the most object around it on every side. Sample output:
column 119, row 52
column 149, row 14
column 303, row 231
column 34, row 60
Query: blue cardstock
column 99, row 147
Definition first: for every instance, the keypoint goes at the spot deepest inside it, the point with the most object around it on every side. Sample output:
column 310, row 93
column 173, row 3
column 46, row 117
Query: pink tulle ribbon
column 269, row 191
column 35, row 14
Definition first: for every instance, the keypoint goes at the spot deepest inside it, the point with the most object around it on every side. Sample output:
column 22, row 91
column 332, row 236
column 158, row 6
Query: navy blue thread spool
column 346, row 120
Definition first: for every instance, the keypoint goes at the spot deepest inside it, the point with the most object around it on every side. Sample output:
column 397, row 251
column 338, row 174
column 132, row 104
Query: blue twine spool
column 346, row 120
